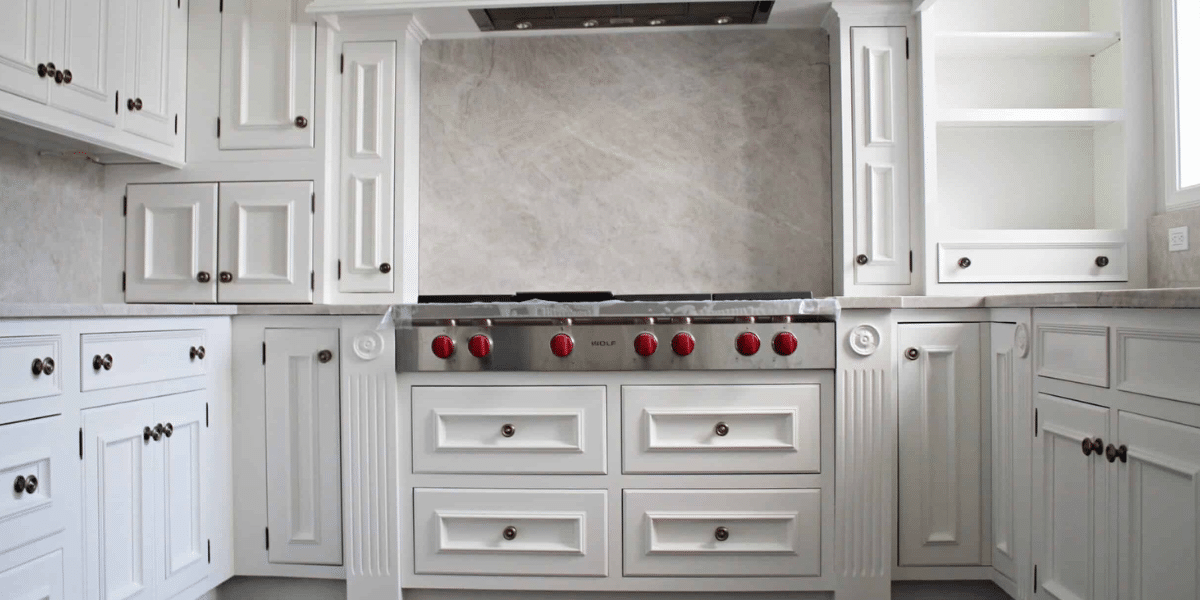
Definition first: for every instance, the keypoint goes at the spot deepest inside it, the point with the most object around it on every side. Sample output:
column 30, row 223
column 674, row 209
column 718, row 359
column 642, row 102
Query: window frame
column 1166, row 58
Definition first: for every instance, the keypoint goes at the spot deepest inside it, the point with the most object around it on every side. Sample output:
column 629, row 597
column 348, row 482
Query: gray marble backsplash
column 50, row 227
column 637, row 163
column 1174, row 269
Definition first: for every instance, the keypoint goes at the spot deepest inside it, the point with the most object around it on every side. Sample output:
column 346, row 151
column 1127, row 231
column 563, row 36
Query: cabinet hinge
column 80, row 443
column 339, row 270
column 1035, row 422
column 122, row 281
column 268, row 536
column 117, row 103
column 210, row 552
column 125, row 206
column 906, row 55
column 312, row 280
column 176, row 124
column 221, row 8
column 910, row 261
column 218, row 126
column 342, row 68
column 314, row 203
column 206, row 421
column 1035, row 579
column 264, row 353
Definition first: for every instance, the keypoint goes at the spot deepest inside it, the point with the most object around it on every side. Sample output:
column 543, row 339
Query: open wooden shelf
column 1029, row 117
column 1025, row 43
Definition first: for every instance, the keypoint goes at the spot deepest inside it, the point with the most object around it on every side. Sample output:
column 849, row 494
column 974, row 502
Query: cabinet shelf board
column 1025, row 43
column 1029, row 117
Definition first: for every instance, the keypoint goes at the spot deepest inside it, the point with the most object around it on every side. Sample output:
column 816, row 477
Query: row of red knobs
column 748, row 344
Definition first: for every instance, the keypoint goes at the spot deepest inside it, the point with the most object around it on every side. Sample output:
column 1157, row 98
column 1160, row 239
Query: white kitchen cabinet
column 89, row 50
column 1009, row 375
column 265, row 242
column 171, row 243
column 143, row 466
column 24, row 45
column 304, row 486
column 268, row 58
column 153, row 93
column 368, row 167
column 881, row 246
column 38, row 579
column 1071, row 504
column 939, row 445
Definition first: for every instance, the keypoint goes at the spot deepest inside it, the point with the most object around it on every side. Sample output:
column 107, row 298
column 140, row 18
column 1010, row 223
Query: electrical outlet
column 1178, row 239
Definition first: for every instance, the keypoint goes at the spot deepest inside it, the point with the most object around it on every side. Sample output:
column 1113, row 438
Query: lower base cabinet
column 37, row 579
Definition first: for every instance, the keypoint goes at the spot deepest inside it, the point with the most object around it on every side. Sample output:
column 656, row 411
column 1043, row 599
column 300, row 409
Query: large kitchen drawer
column 1032, row 262
column 722, row 428
column 110, row 360
column 38, row 579
column 509, row 429
column 723, row 533
column 23, row 365
column 511, row 532
column 35, row 454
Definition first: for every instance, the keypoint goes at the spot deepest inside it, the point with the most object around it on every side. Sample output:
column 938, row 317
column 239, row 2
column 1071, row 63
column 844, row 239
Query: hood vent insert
column 608, row 16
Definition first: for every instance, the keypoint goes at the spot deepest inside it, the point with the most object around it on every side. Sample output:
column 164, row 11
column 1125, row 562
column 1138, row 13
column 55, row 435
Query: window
column 1179, row 90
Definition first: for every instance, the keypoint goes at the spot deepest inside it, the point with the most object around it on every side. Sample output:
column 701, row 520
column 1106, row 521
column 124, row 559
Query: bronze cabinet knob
column 137, row 104
column 1092, row 446
column 964, row 263
column 168, row 430
column 102, row 362
column 301, row 122
column 47, row 366
column 862, row 259
column 19, row 484
column 196, row 352
column 50, row 69
column 226, row 276
column 721, row 534
column 41, row 70
column 129, row 104
column 157, row 432
column 510, row 533
column 722, row 429
column 203, row 277
column 107, row 362
column 37, row 366
column 385, row 268
column 325, row 356
column 507, row 430
column 1101, row 261
column 31, row 484
column 912, row 354
column 58, row 77
column 147, row 433
column 1112, row 453
column 67, row 77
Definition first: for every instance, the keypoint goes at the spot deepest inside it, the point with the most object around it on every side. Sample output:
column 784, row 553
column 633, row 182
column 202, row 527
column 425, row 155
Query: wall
column 50, row 227
column 1174, row 269
column 637, row 163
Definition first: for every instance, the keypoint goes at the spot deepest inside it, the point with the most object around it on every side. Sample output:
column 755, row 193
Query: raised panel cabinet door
column 268, row 58
column 1005, row 388
column 881, row 155
column 25, row 44
column 156, row 69
column 171, row 243
column 304, row 484
column 1158, row 498
column 89, row 45
column 1070, row 501
column 38, row 579
column 940, row 438
column 182, row 547
column 266, row 242
column 119, row 469
column 368, row 167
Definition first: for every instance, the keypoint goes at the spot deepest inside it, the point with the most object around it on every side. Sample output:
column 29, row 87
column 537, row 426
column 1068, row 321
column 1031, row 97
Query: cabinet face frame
column 194, row 206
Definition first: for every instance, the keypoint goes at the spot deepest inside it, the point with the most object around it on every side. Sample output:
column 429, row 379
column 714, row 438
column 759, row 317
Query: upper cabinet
column 89, row 51
column 154, row 91
column 25, row 48
column 268, row 94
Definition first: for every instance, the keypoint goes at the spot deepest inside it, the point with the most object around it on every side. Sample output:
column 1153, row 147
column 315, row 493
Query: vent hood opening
column 601, row 16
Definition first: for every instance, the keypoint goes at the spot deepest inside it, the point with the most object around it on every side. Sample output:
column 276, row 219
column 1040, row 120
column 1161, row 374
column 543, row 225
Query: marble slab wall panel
column 637, row 163
column 50, row 227
column 1174, row 269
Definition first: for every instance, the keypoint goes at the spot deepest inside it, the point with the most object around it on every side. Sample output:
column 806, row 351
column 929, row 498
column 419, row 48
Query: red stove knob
column 645, row 344
column 443, row 346
column 480, row 346
column 785, row 343
column 683, row 343
column 562, row 345
column 748, row 344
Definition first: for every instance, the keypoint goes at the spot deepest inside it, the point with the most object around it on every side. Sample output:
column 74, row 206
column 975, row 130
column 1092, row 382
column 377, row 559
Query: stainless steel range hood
column 601, row 16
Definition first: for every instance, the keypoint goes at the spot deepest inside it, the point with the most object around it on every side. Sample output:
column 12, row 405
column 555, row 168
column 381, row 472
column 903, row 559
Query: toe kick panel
column 511, row 532
column 723, row 533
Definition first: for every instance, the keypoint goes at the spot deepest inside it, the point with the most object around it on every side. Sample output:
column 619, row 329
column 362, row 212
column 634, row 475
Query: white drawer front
column 709, row 533
column 766, row 428
column 38, row 579
column 18, row 381
column 554, row 532
column 550, row 430
column 1077, row 353
column 1031, row 262
column 35, row 452
column 140, row 357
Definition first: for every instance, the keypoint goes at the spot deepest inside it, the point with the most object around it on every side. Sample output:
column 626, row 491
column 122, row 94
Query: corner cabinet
column 260, row 231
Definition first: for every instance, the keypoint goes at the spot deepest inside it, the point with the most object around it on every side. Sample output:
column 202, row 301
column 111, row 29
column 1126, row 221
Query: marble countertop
column 58, row 311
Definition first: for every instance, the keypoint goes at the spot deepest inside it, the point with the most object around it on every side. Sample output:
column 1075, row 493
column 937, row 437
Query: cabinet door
column 881, row 155
column 1158, row 491
column 1070, row 502
column 118, row 493
column 304, row 484
column 171, row 243
column 156, row 65
column 181, row 558
column 268, row 58
column 1006, row 386
column 25, row 44
column 940, row 462
column 89, row 45
column 38, row 579
column 266, row 242
column 368, row 166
